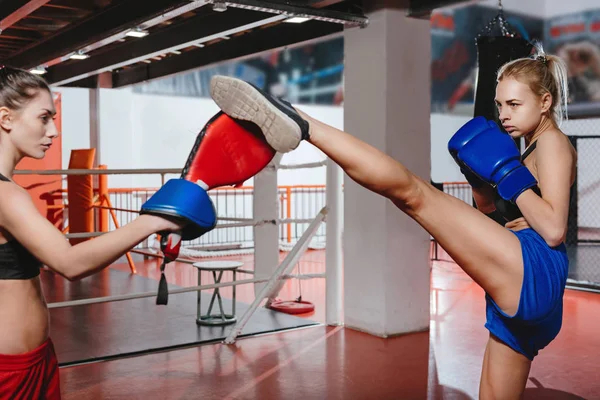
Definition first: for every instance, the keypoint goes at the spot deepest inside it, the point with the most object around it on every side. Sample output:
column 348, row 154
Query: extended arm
column 20, row 217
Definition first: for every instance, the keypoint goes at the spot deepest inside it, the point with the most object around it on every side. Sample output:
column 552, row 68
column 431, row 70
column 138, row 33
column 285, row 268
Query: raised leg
column 487, row 252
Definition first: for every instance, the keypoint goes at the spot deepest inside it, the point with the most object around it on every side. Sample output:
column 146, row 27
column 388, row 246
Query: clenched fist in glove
column 488, row 154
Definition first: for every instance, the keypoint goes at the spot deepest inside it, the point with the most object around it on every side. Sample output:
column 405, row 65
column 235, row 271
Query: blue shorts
column 539, row 316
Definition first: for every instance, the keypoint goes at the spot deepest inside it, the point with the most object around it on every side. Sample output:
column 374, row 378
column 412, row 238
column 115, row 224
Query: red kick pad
column 227, row 152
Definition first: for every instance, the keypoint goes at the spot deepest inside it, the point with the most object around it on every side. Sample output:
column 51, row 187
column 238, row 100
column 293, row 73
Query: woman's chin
column 515, row 134
column 37, row 155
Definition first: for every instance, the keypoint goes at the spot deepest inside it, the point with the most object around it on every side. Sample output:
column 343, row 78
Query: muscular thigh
column 486, row 251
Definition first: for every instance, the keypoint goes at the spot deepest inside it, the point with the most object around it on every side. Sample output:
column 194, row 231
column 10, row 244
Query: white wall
column 165, row 129
column 306, row 152
column 118, row 146
column 151, row 131
column 75, row 121
column 443, row 167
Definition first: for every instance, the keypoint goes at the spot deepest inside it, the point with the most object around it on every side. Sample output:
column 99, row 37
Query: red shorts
column 32, row 375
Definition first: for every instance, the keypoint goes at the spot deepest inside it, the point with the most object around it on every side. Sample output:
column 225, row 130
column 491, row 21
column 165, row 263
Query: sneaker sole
column 240, row 100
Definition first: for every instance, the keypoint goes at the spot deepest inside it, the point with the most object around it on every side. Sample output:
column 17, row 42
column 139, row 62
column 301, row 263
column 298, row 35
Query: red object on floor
column 293, row 306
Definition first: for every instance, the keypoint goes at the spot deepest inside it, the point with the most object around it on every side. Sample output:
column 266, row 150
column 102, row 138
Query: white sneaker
column 282, row 126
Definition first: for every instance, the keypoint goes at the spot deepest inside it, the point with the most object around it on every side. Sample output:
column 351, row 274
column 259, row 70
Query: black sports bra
column 16, row 262
column 507, row 210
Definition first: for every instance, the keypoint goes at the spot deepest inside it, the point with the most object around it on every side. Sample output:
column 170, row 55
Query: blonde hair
column 544, row 73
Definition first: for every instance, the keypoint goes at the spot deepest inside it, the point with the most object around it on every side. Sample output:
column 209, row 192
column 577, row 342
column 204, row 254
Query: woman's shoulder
column 15, row 204
column 555, row 145
column 12, row 195
column 554, row 138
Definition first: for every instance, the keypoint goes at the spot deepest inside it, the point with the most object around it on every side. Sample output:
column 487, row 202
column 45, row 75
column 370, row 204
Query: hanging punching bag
column 492, row 53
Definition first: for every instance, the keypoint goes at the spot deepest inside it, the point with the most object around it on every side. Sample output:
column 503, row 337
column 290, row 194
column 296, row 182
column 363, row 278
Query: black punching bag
column 492, row 53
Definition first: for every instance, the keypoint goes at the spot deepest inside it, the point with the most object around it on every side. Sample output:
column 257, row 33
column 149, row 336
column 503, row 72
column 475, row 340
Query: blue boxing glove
column 456, row 144
column 493, row 156
column 183, row 199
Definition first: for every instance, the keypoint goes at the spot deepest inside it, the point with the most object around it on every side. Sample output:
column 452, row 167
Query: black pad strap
column 162, row 298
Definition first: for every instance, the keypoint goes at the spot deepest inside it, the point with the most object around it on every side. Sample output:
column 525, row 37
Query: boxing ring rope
column 126, row 171
column 142, row 171
column 249, row 222
column 239, row 270
column 109, row 299
column 274, row 283
column 302, row 166
column 188, row 261
column 271, row 289
column 300, row 193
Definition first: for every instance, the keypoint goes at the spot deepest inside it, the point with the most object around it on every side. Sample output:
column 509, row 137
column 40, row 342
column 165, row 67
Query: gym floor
column 323, row 362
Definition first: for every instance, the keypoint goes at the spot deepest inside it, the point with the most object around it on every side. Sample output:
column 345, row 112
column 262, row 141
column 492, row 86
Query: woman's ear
column 546, row 102
column 6, row 119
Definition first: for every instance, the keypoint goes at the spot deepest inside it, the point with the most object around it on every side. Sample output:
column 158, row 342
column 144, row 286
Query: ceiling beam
column 116, row 18
column 72, row 7
column 59, row 13
column 202, row 28
column 18, row 34
column 245, row 45
column 10, row 6
column 20, row 13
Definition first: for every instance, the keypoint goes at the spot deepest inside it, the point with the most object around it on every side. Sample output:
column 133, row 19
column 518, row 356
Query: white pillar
column 104, row 81
column 387, row 104
column 333, row 253
column 94, row 97
column 266, row 236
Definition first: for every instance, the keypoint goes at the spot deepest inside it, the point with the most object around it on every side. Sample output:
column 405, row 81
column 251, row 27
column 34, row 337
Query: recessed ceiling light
column 137, row 32
column 78, row 56
column 296, row 20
